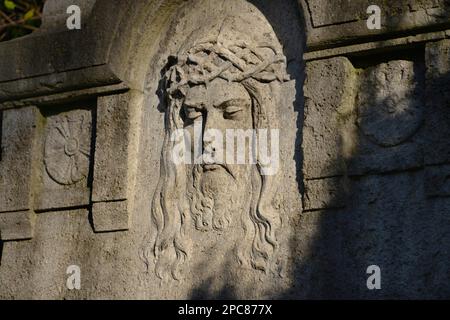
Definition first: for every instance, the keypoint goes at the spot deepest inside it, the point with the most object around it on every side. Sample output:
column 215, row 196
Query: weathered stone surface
column 390, row 103
column 378, row 47
column 327, row 193
column 115, row 169
column 64, row 238
column 227, row 76
column 372, row 159
column 118, row 124
column 55, row 14
column 111, row 216
column 437, row 56
column 213, row 268
column 334, row 23
column 390, row 110
column 388, row 223
column 437, row 181
column 372, row 125
column 391, row 224
column 361, row 180
column 18, row 138
column 340, row 11
column 51, row 62
column 16, row 225
column 18, row 133
column 329, row 92
column 64, row 161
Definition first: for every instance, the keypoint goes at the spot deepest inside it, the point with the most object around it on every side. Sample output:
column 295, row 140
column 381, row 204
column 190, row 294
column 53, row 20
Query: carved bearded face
column 217, row 189
column 224, row 82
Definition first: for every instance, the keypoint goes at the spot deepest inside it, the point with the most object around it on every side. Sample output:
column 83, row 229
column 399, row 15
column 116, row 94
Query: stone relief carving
column 389, row 103
column 228, row 79
column 67, row 147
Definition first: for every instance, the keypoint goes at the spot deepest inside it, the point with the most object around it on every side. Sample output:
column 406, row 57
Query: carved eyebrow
column 196, row 106
column 227, row 103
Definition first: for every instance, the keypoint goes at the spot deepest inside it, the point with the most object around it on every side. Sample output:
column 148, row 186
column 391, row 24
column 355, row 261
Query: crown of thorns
column 235, row 63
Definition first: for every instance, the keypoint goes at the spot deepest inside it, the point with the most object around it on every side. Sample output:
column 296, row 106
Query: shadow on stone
column 1, row 251
column 208, row 291
column 388, row 219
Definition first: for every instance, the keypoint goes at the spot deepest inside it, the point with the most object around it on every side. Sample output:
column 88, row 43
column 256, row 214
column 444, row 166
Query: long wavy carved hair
column 260, row 68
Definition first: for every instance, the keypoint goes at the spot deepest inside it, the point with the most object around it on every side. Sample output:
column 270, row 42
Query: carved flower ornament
column 390, row 106
column 67, row 147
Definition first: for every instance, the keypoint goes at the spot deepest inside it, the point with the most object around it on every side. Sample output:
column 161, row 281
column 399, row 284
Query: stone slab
column 325, row 12
column 377, row 47
column 341, row 22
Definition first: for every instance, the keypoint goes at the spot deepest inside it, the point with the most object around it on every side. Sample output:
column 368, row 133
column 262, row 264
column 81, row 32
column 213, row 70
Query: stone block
column 437, row 148
column 116, row 154
column 325, row 13
column 344, row 21
column 329, row 91
column 18, row 132
column 18, row 137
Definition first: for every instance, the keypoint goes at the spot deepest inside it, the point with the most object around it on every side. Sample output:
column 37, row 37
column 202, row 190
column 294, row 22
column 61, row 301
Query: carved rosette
column 390, row 109
column 67, row 147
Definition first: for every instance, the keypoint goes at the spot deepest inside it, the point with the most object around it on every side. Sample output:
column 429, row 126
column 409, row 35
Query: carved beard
column 216, row 197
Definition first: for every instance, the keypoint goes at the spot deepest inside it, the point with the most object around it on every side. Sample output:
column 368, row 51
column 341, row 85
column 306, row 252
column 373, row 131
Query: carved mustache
column 210, row 164
column 213, row 166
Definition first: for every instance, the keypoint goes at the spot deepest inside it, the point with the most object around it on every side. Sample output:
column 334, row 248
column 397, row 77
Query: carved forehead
column 217, row 92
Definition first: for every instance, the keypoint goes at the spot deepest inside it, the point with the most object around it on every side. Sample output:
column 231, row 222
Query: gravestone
column 358, row 173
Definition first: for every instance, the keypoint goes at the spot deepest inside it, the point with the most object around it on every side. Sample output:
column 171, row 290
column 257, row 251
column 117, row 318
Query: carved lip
column 215, row 166
column 212, row 167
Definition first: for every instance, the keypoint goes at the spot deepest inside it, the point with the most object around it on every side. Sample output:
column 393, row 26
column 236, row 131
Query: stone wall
column 86, row 117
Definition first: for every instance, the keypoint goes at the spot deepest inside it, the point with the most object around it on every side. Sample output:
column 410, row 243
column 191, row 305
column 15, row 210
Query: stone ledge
column 343, row 22
column 377, row 46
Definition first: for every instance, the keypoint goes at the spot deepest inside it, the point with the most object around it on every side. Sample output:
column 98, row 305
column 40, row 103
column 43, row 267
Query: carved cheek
column 248, row 117
column 189, row 131
column 243, row 119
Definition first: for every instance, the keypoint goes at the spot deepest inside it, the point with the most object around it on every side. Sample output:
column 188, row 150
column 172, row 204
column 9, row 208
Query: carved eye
column 231, row 112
